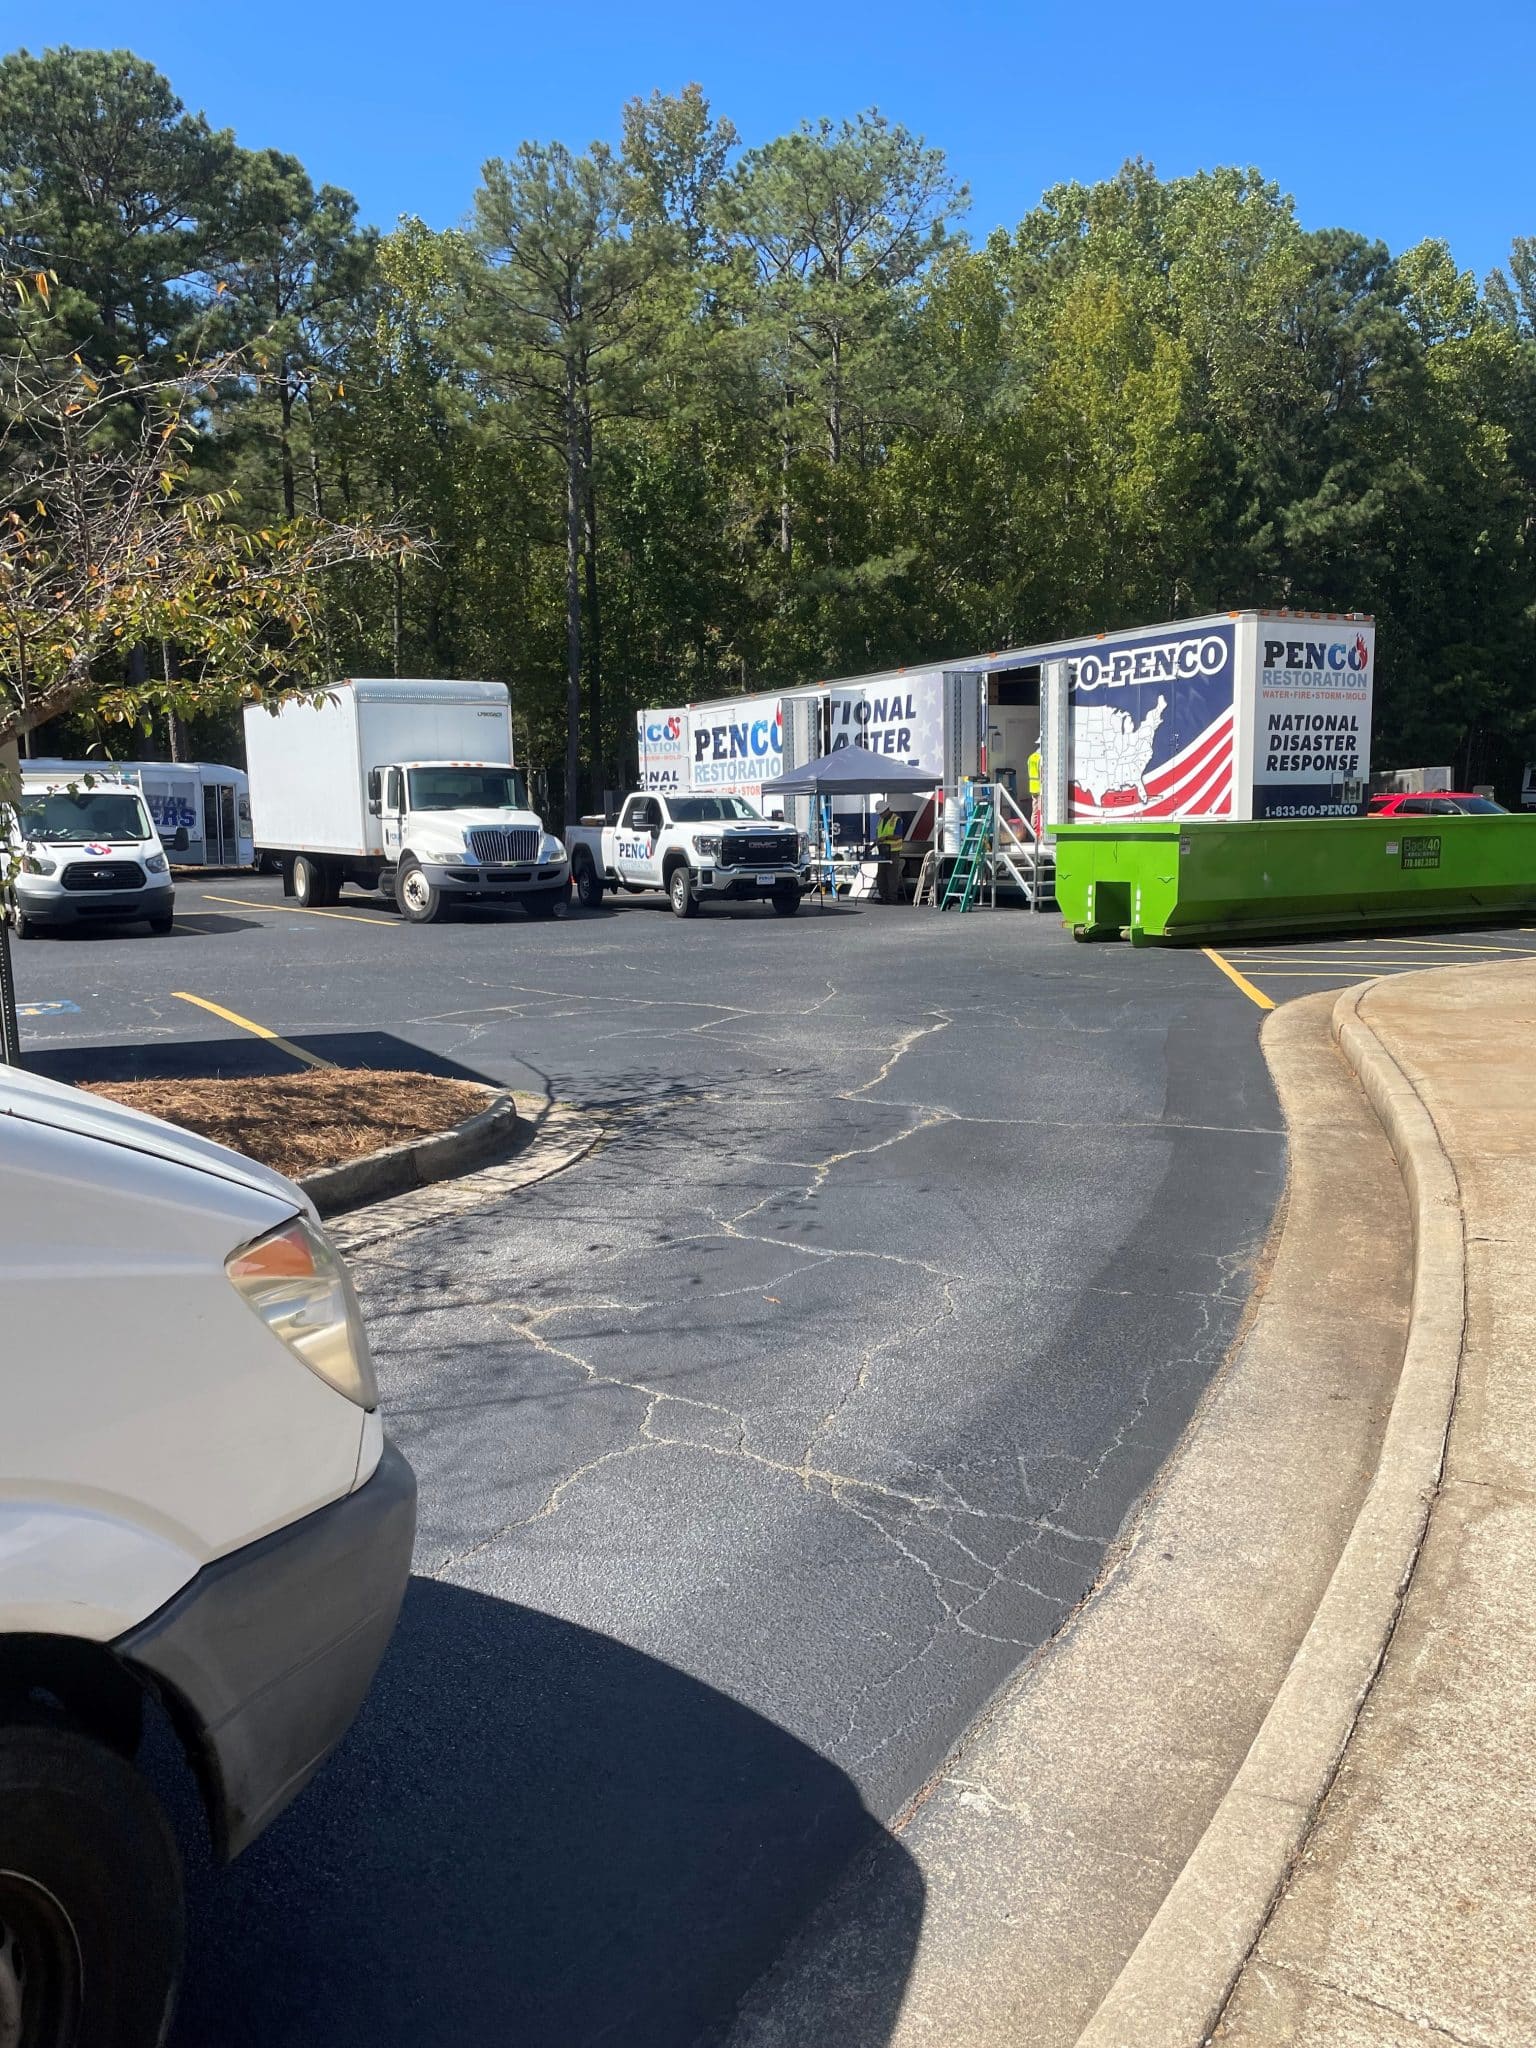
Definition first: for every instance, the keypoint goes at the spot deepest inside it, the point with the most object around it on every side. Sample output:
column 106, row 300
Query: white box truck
column 402, row 785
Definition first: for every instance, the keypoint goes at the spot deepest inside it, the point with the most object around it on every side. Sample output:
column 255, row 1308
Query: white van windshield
column 467, row 789
column 80, row 814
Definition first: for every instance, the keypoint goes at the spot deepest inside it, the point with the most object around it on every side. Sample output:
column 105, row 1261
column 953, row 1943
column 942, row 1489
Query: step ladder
column 927, row 879
column 970, row 868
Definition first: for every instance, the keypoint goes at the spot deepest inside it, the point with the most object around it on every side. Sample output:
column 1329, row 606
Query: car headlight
column 710, row 848
column 550, row 848
column 296, row 1283
column 38, row 864
column 156, row 863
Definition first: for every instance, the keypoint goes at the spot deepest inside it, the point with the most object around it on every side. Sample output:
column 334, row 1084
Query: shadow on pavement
column 534, row 1836
column 238, row 1058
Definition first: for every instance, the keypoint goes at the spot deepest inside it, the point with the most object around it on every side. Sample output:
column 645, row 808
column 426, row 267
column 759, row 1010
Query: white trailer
column 404, row 785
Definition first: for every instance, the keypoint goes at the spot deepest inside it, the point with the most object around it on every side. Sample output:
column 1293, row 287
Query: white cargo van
column 200, row 1519
column 405, row 786
column 83, row 849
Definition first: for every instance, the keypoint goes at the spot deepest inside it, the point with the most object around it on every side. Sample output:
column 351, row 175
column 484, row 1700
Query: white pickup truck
column 699, row 849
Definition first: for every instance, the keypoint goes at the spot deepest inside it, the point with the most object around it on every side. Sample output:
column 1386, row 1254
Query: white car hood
column 94, row 1116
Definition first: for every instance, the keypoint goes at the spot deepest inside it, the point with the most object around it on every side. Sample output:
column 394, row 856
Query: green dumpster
column 1201, row 879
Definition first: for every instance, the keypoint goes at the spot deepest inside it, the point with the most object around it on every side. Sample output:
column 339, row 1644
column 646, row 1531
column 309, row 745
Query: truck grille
column 102, row 874
column 500, row 843
column 759, row 850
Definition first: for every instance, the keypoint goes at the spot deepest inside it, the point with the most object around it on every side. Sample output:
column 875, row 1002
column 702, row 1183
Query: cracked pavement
column 820, row 1389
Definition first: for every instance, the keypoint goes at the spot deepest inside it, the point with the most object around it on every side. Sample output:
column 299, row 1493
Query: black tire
column 589, row 886
column 22, row 926
column 419, row 901
column 680, row 891
column 542, row 907
column 161, row 925
column 309, row 883
column 90, row 1895
column 786, row 900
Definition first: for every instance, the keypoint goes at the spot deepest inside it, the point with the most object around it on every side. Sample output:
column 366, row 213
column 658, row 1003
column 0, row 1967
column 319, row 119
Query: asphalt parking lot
column 757, row 1449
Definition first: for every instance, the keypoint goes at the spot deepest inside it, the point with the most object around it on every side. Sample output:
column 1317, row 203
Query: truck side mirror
column 375, row 792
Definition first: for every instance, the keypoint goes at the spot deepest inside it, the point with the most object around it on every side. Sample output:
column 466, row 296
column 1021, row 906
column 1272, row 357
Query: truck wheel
column 159, row 926
column 90, row 1896
column 23, row 926
column 309, row 880
column 542, row 906
column 786, row 899
column 419, row 901
column 680, row 891
column 589, row 886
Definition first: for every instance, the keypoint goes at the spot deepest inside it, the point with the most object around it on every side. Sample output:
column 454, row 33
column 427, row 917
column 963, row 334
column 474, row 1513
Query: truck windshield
column 467, row 789
column 64, row 814
column 710, row 810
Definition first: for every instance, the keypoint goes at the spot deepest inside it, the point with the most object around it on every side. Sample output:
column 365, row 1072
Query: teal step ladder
column 970, row 868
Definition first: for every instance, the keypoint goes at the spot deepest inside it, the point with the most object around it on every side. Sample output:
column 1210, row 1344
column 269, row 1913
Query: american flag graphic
column 1195, row 782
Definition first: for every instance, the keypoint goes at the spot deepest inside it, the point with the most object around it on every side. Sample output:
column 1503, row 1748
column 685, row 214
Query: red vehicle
column 1434, row 803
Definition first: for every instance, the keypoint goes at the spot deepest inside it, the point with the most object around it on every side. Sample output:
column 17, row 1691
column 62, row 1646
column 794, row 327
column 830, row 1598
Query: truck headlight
column 296, row 1283
column 156, row 863
column 550, row 849
column 709, row 848
column 802, row 846
column 38, row 864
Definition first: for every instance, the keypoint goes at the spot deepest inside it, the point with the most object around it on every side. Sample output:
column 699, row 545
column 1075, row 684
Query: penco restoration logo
column 1344, row 662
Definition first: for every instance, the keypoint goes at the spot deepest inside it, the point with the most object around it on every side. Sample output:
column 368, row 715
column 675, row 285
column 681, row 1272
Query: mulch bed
column 298, row 1122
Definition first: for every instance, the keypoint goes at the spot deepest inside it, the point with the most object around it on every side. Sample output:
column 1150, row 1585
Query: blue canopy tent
column 855, row 771
column 850, row 771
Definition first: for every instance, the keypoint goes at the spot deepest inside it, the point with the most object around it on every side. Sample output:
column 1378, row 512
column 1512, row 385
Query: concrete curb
column 1175, row 1985
column 399, row 1168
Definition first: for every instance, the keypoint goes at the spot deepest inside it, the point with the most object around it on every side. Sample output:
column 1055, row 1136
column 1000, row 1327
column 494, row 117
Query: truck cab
column 697, row 848
column 463, row 830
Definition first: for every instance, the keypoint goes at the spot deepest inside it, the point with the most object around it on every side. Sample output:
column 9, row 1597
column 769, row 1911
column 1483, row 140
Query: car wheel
column 420, row 902
column 23, row 926
column 159, row 926
column 589, row 886
column 680, row 892
column 787, row 901
column 90, row 1896
column 308, row 882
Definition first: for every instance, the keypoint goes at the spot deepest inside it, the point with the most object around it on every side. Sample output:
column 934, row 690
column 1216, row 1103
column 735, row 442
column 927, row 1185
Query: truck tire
column 160, row 926
column 542, row 906
column 786, row 898
column 680, row 891
column 589, row 885
column 23, row 926
column 419, row 901
column 90, row 1896
column 309, row 883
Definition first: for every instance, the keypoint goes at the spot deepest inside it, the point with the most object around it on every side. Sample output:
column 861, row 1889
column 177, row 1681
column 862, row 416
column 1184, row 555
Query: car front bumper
column 50, row 904
column 521, row 879
column 268, row 1652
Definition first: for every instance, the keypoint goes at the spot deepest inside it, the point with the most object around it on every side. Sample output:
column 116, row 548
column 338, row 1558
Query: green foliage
column 681, row 418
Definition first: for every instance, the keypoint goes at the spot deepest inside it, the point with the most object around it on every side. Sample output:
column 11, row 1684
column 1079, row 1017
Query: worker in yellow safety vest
column 887, row 845
column 1034, row 792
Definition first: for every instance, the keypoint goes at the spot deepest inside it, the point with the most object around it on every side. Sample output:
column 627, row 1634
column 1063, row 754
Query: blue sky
column 1399, row 120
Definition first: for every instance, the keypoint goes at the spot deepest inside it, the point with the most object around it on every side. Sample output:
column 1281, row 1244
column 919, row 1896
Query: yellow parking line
column 310, row 1059
column 295, row 909
column 1254, row 995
